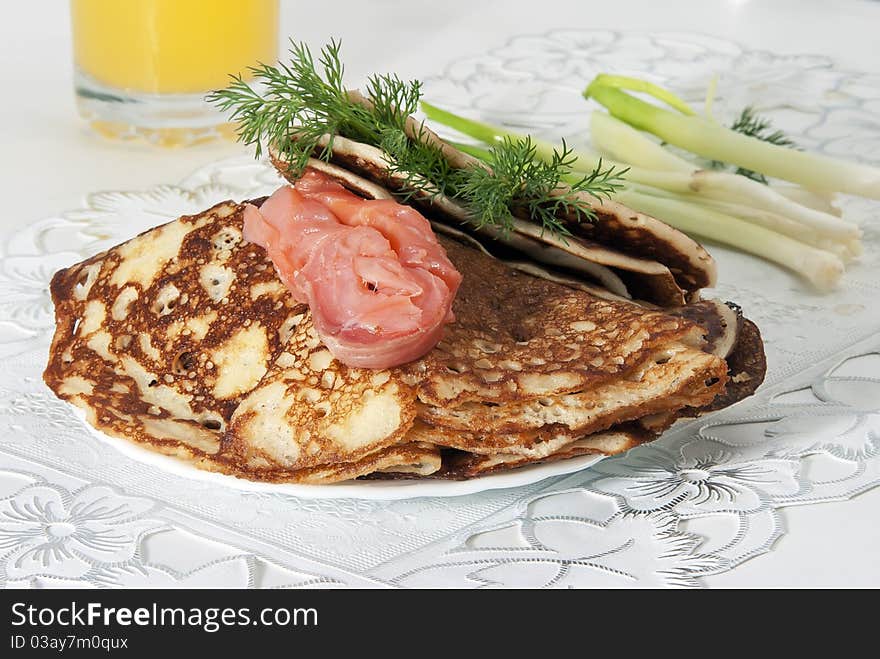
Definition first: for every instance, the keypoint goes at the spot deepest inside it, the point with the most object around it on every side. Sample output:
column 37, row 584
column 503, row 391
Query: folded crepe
column 184, row 340
column 629, row 253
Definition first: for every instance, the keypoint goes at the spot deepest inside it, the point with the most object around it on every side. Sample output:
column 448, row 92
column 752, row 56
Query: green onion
column 709, row 139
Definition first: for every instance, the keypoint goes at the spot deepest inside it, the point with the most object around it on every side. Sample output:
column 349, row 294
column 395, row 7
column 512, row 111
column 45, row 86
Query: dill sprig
column 293, row 106
column 418, row 164
column 538, row 190
column 749, row 123
column 297, row 105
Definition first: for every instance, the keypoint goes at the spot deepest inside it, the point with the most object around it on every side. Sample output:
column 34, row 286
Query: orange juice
column 143, row 67
column 172, row 46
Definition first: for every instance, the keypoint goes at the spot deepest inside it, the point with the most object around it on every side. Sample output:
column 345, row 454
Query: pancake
column 530, row 443
column 746, row 368
column 644, row 278
column 517, row 337
column 460, row 465
column 532, row 268
column 648, row 238
column 159, row 339
column 675, row 378
column 312, row 409
column 411, row 460
column 363, row 169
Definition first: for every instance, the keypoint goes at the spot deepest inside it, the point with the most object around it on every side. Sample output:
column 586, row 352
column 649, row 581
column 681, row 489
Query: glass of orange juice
column 143, row 67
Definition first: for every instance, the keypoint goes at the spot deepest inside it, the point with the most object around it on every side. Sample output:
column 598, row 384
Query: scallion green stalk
column 822, row 268
column 719, row 206
column 720, row 186
column 709, row 139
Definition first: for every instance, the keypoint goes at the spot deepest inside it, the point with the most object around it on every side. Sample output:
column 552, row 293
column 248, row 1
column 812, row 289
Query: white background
column 49, row 159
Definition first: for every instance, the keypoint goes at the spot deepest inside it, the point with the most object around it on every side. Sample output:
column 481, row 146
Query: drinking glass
column 143, row 67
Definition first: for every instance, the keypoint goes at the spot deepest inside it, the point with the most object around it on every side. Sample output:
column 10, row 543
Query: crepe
column 409, row 460
column 159, row 340
column 676, row 377
column 642, row 273
column 463, row 465
column 311, row 409
column 518, row 337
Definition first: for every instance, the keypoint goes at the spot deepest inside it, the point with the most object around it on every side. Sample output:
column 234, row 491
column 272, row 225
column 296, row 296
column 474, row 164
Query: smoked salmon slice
column 379, row 285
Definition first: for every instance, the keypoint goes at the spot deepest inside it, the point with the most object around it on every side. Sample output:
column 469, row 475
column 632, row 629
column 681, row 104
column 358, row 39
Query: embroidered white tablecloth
column 686, row 510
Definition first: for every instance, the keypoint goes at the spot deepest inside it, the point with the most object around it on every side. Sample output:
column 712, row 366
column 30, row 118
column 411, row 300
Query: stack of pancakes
column 185, row 340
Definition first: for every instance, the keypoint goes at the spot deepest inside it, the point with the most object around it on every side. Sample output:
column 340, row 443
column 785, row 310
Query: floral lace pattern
column 699, row 501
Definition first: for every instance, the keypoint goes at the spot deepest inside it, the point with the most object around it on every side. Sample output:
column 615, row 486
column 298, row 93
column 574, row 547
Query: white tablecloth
column 50, row 160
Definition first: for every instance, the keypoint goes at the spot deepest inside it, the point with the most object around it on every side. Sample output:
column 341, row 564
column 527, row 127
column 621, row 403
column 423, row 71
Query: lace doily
column 699, row 501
